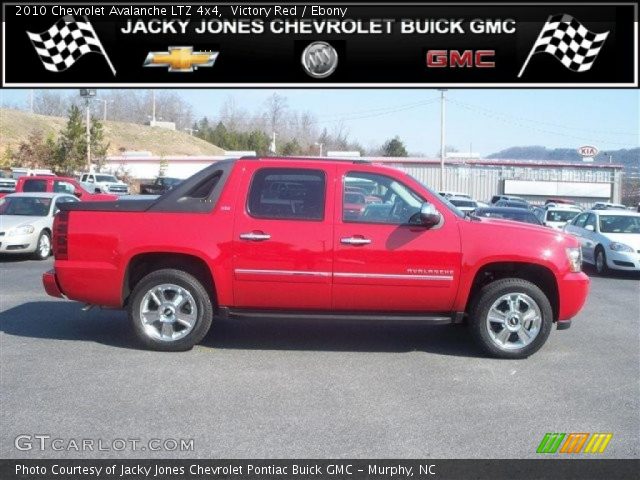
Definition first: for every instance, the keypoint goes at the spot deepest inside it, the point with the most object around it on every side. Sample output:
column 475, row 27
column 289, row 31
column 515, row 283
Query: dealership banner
column 317, row 469
column 319, row 45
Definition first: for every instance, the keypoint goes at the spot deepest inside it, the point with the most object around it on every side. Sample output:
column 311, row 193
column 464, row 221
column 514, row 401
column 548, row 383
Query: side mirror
column 429, row 215
column 90, row 180
column 590, row 228
column 77, row 193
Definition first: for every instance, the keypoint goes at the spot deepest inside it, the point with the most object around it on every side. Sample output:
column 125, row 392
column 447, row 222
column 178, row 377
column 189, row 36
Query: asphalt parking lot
column 308, row 389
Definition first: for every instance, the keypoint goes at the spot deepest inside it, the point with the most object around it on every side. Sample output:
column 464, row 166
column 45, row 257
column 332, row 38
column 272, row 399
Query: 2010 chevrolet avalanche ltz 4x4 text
column 318, row 238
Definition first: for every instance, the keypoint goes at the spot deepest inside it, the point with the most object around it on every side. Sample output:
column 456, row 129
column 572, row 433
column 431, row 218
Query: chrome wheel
column 44, row 246
column 168, row 312
column 514, row 321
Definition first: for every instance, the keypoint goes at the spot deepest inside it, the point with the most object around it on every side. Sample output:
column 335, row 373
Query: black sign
column 141, row 44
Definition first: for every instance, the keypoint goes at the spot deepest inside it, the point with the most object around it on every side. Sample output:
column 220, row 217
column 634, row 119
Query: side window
column 63, row 187
column 580, row 219
column 374, row 198
column 35, row 186
column 591, row 221
column 291, row 193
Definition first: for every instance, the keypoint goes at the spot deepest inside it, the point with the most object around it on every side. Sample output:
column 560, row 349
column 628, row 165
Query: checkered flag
column 569, row 41
column 65, row 42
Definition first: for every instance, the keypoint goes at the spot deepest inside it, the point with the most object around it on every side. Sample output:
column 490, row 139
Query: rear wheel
column 170, row 310
column 601, row 261
column 43, row 247
column 511, row 318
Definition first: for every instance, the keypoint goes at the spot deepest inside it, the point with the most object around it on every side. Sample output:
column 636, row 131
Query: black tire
column 490, row 294
column 199, row 294
column 603, row 269
column 38, row 254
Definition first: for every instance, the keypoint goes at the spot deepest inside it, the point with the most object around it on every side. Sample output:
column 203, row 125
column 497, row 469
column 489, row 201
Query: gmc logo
column 457, row 58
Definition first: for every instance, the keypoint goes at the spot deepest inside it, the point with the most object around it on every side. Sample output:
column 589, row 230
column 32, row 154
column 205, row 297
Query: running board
column 225, row 312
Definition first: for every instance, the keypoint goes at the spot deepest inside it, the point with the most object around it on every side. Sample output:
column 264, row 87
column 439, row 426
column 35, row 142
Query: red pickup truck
column 52, row 183
column 263, row 237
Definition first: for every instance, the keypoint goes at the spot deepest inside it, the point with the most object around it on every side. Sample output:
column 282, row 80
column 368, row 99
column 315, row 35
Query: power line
column 541, row 122
column 504, row 118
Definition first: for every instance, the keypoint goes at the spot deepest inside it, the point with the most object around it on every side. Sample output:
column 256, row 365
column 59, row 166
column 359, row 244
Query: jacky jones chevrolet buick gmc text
column 264, row 237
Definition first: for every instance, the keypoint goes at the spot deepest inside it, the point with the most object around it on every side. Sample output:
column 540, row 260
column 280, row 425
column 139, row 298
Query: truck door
column 283, row 236
column 382, row 261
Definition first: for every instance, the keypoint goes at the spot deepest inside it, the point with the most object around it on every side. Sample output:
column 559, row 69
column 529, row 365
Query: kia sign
column 587, row 151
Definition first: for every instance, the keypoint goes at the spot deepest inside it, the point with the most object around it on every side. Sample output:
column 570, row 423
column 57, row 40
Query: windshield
column 106, row 178
column 561, row 215
column 619, row 224
column 26, row 206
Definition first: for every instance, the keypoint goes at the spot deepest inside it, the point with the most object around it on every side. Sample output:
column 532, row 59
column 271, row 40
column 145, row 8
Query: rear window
column 35, row 186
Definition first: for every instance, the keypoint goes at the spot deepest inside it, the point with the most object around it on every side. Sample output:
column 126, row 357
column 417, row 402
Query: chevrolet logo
column 180, row 59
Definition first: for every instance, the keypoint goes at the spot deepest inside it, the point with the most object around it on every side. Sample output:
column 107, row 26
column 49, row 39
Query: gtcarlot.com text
column 44, row 442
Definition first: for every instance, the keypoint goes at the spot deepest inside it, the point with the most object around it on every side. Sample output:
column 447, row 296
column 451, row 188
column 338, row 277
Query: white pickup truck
column 104, row 183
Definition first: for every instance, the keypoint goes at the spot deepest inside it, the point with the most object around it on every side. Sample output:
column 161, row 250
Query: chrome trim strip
column 301, row 273
column 304, row 273
column 394, row 276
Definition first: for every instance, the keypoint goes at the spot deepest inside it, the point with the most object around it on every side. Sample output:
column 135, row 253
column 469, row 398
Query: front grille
column 118, row 189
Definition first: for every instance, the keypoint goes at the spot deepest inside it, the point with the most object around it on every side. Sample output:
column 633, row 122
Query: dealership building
column 585, row 183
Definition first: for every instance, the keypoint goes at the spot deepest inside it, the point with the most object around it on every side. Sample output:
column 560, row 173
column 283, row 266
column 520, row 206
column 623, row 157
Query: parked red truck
column 52, row 183
column 264, row 237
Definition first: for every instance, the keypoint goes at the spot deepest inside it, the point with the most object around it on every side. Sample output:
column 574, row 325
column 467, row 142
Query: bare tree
column 276, row 108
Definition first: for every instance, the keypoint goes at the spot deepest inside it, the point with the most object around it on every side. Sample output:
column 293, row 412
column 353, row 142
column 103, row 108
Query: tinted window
column 287, row 193
column 35, row 186
column 386, row 200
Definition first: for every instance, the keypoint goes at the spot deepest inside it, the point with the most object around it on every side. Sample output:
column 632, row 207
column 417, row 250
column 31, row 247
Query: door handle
column 255, row 236
column 355, row 241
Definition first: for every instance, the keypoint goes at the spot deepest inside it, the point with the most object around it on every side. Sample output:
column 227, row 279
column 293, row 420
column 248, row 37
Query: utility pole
column 320, row 145
column 88, row 94
column 31, row 99
column 442, row 100
column 153, row 108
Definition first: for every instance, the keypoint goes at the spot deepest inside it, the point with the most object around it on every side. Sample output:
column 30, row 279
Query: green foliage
column 292, row 147
column 394, row 148
column 229, row 139
column 72, row 144
column 35, row 152
column 6, row 161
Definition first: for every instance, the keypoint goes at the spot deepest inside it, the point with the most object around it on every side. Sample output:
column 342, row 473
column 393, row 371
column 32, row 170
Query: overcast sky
column 484, row 120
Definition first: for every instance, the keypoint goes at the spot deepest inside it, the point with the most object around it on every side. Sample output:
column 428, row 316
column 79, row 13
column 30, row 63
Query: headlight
column 620, row 247
column 574, row 255
column 23, row 230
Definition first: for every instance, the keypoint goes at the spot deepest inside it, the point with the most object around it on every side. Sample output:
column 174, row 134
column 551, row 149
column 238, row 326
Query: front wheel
column 511, row 318
column 43, row 247
column 170, row 310
column 601, row 261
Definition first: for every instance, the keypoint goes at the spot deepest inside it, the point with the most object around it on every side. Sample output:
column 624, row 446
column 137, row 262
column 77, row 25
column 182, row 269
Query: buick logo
column 319, row 59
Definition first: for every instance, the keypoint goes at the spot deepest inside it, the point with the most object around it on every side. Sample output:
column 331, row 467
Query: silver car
column 26, row 222
column 610, row 239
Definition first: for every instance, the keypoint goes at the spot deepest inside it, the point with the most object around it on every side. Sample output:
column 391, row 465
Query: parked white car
column 464, row 204
column 557, row 216
column 26, row 222
column 104, row 183
column 610, row 239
